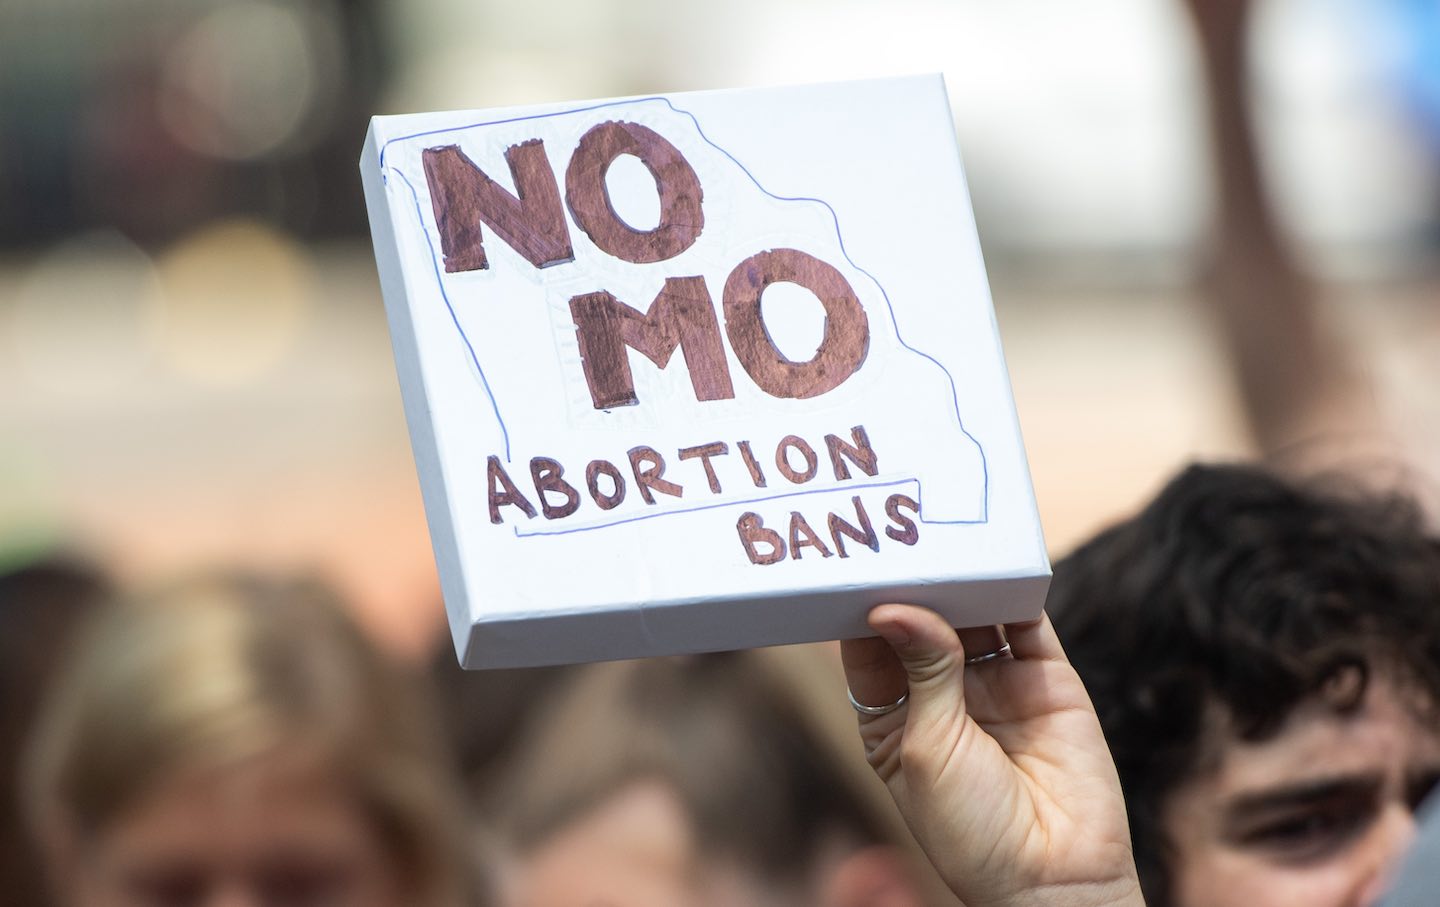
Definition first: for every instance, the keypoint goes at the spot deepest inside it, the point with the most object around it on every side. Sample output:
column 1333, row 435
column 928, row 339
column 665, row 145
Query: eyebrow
column 1304, row 793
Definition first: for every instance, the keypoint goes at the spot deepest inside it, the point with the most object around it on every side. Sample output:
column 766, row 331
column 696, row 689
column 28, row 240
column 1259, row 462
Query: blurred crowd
column 236, row 739
column 195, row 373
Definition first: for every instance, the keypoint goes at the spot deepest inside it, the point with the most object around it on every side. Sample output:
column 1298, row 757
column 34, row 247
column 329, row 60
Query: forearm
column 1288, row 364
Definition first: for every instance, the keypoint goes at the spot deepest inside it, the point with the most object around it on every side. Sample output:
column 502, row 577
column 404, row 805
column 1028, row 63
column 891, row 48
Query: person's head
column 695, row 781
column 41, row 604
column 236, row 742
column 1265, row 660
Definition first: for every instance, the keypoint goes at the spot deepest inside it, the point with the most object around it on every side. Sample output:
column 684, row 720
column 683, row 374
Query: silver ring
column 877, row 709
column 1001, row 652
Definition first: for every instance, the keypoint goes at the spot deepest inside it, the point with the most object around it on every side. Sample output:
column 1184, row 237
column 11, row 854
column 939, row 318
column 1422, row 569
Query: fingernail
column 894, row 634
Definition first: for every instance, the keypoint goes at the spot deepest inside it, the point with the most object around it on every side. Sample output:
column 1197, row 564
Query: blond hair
column 215, row 672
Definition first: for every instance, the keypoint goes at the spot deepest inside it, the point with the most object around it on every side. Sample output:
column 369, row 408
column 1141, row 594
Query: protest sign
column 700, row 371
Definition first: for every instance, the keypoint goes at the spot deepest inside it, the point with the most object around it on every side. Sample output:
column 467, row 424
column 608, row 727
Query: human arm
column 1292, row 368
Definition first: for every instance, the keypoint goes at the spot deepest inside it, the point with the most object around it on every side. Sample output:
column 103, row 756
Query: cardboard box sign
column 700, row 371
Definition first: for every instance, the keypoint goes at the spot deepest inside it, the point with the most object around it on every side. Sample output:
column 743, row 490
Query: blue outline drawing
column 835, row 218
column 889, row 483
column 439, row 280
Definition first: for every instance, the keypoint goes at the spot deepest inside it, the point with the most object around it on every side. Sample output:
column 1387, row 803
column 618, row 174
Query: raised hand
column 999, row 767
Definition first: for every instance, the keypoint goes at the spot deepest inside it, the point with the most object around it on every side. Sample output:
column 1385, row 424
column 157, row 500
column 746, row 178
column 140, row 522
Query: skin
column 1315, row 816
column 1000, row 769
column 638, row 848
column 1293, row 369
column 270, row 834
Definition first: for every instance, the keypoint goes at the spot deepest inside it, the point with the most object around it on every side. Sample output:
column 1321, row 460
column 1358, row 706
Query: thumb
column 933, row 657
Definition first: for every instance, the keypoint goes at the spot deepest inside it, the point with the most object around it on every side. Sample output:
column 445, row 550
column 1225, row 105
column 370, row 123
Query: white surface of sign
column 700, row 371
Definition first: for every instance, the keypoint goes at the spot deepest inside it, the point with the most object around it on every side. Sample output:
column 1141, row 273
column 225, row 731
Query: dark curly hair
column 1237, row 589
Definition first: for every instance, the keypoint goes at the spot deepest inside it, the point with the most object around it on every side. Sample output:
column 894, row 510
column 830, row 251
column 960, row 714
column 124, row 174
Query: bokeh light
column 81, row 319
column 232, row 299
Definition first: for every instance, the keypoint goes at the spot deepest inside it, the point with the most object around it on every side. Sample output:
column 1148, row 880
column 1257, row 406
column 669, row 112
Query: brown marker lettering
column 503, row 491
column 907, row 533
column 801, row 536
column 847, row 330
column 782, row 459
column 593, row 472
column 649, row 477
column 864, row 534
column 751, row 464
column 681, row 216
column 547, row 476
column 682, row 315
column 752, row 531
column 861, row 453
column 704, row 452
column 463, row 197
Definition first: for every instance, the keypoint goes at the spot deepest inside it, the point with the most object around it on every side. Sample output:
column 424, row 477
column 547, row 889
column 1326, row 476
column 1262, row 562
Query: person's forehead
column 1386, row 732
column 241, row 812
column 637, row 847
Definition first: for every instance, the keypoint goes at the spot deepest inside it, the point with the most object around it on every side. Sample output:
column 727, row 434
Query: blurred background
column 1200, row 245
column 1212, row 226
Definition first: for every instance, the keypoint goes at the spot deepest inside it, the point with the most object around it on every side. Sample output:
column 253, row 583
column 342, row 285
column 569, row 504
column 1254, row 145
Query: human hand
column 999, row 768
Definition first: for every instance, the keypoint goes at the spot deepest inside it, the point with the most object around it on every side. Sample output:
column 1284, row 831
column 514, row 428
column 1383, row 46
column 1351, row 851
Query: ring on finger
column 876, row 709
column 1002, row 652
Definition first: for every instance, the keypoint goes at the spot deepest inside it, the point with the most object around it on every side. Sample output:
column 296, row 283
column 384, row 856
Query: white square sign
column 700, row 371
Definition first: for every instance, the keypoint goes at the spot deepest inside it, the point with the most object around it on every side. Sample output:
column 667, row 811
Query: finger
column 981, row 640
column 1035, row 640
column 872, row 671
column 933, row 658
